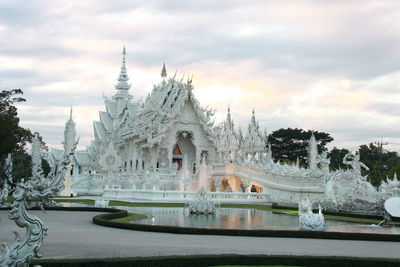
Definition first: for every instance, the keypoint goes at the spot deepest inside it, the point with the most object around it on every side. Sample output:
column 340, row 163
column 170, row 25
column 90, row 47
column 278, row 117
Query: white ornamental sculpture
column 312, row 153
column 101, row 203
column 36, row 154
column 39, row 189
column 110, row 161
column 308, row 220
column 390, row 188
column 69, row 139
column 355, row 163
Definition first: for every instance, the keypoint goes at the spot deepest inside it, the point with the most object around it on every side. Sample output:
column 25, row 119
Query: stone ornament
column 37, row 189
column 309, row 221
column 110, row 160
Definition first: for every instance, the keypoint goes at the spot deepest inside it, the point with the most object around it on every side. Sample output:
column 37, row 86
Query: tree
column 336, row 155
column 379, row 161
column 395, row 169
column 22, row 166
column 13, row 137
column 290, row 144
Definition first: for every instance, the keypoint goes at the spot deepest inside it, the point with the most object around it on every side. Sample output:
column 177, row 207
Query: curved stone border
column 224, row 259
column 106, row 220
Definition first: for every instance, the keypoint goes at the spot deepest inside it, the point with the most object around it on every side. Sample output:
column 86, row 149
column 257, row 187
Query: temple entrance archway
column 177, row 156
column 184, row 146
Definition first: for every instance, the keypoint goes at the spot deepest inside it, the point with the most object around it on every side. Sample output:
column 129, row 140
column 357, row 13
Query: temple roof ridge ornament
column 254, row 140
column 164, row 72
column 123, row 75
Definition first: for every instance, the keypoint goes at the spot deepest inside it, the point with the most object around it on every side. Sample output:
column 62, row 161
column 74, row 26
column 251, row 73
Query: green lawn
column 131, row 217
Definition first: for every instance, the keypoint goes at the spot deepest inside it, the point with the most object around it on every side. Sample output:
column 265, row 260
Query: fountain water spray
column 201, row 204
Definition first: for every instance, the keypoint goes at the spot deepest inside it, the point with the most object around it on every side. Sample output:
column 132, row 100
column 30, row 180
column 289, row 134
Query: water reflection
column 250, row 219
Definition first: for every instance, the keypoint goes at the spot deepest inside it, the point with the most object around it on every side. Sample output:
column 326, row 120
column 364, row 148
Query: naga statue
column 39, row 189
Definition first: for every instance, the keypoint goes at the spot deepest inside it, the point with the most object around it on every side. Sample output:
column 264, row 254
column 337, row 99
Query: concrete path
column 73, row 235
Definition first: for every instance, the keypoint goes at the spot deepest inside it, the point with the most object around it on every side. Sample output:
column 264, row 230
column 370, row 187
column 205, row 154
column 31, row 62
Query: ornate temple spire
column 163, row 71
column 36, row 155
column 228, row 115
column 254, row 140
column 253, row 118
column 312, row 152
column 69, row 134
column 123, row 76
column 228, row 139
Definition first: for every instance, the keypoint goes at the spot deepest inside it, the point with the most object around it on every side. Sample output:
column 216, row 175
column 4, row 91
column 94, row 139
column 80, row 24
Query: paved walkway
column 73, row 235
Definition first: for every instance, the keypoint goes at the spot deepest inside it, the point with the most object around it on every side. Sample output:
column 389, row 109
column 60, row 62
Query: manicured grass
column 146, row 204
column 82, row 201
column 131, row 217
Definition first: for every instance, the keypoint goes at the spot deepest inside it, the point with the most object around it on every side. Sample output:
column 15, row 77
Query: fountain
column 201, row 204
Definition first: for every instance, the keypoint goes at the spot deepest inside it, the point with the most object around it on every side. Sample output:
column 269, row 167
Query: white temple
column 153, row 149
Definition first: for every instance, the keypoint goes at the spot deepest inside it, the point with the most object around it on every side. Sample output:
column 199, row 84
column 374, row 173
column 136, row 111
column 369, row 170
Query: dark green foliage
column 289, row 144
column 336, row 155
column 379, row 161
column 45, row 167
column 395, row 169
column 12, row 136
column 22, row 166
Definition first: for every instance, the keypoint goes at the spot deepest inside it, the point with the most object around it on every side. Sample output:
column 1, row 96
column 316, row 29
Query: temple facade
column 155, row 133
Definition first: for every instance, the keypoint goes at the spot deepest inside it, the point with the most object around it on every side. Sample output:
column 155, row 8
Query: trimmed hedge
column 212, row 260
column 106, row 220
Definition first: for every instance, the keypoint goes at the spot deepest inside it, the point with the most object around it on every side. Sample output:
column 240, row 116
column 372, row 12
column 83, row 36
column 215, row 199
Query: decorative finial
column 164, row 71
column 229, row 109
column 253, row 111
column 123, row 76
column 70, row 113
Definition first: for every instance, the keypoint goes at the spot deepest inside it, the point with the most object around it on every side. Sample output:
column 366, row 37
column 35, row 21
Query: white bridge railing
column 181, row 196
column 271, row 180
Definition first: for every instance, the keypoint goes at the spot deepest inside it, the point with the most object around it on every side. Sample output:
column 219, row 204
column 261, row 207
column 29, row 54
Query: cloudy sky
column 331, row 66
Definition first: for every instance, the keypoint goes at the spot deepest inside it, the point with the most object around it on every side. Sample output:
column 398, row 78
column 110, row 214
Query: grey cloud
column 21, row 13
column 385, row 108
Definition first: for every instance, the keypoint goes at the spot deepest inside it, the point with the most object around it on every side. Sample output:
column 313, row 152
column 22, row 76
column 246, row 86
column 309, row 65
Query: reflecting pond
column 251, row 219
